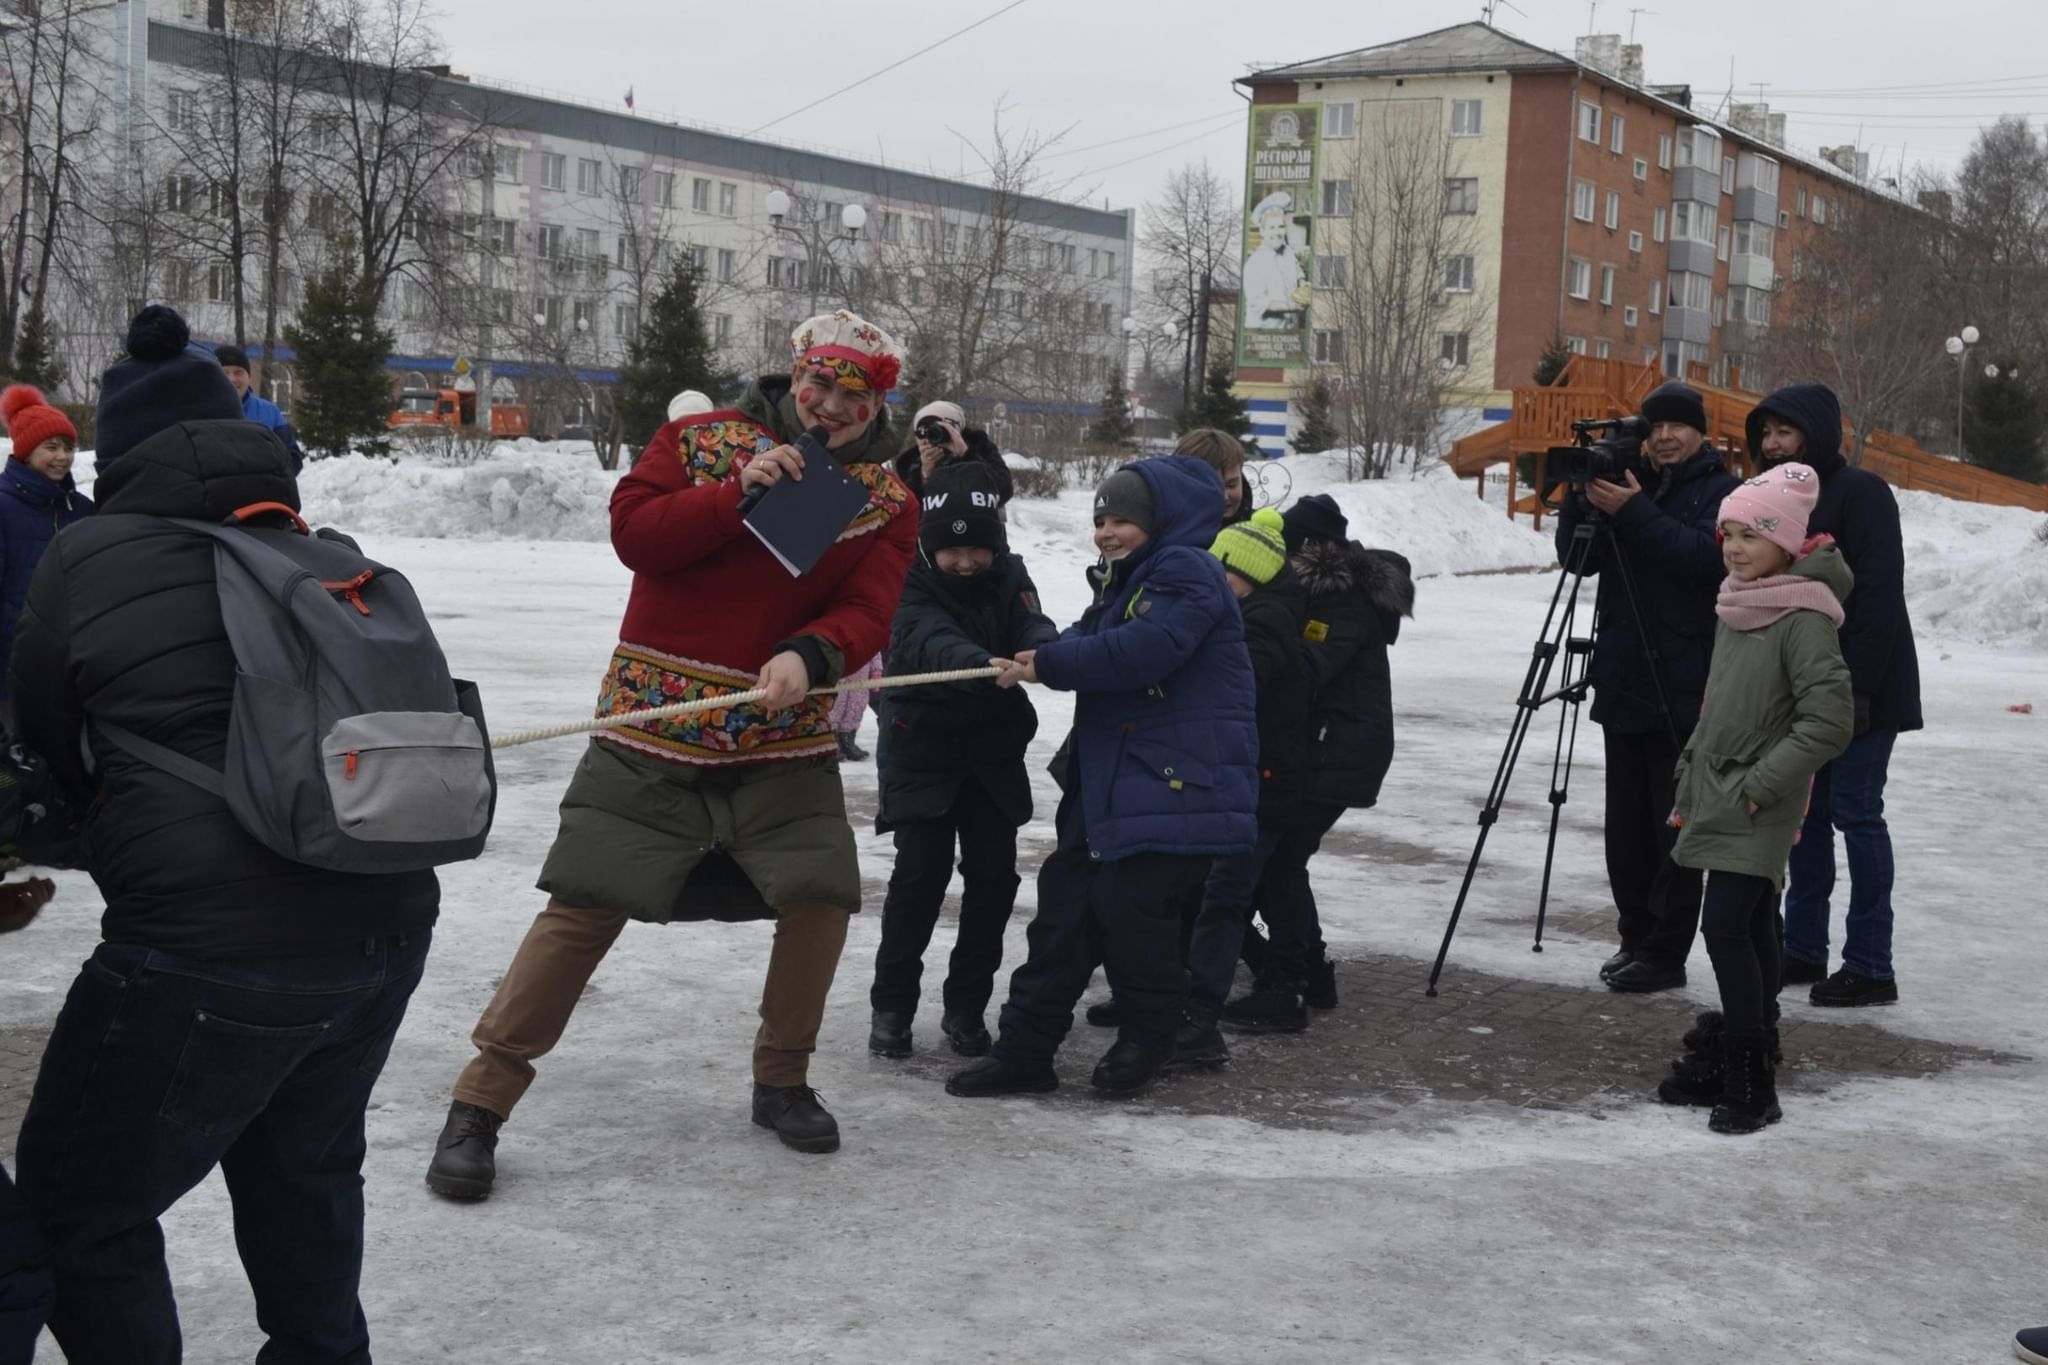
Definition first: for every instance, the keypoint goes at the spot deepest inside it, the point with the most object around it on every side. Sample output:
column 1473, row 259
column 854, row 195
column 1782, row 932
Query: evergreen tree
column 1216, row 406
column 1113, row 425
column 1556, row 355
column 924, row 374
column 1318, row 429
column 2002, row 424
column 345, row 398
column 35, row 355
column 672, row 352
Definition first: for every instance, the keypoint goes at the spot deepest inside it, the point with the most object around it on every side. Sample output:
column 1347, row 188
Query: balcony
column 1687, row 324
column 1701, row 184
column 1695, row 258
column 1756, row 206
column 1751, row 272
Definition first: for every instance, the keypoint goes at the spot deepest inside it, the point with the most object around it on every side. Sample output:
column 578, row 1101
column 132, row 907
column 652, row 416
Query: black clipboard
column 798, row 520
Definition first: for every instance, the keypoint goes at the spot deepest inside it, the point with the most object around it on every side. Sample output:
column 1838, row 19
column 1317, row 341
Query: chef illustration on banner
column 1276, row 291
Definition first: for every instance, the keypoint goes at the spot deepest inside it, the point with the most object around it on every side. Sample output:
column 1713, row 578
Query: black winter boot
column 1749, row 1099
column 1847, row 988
column 465, row 1155
column 965, row 1033
column 1274, row 1006
column 1129, row 1066
column 1321, row 991
column 889, row 1033
column 1794, row 971
column 1709, row 1025
column 1643, row 976
column 992, row 1077
column 1617, row 962
column 1105, row 1014
column 797, row 1117
column 1198, row 1044
column 1697, row 1077
column 849, row 747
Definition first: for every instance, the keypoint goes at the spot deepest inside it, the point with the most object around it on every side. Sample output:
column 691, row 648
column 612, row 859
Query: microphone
column 811, row 445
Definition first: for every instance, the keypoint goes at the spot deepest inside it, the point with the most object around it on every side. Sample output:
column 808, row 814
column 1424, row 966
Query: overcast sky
column 1137, row 88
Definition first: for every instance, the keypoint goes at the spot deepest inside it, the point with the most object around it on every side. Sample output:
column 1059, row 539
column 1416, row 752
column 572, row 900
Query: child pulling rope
column 684, row 708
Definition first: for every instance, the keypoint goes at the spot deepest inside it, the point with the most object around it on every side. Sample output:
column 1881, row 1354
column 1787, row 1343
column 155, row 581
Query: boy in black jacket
column 951, row 759
column 1275, row 608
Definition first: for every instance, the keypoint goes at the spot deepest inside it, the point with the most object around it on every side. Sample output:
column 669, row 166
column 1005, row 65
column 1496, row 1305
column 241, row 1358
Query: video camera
column 1611, row 457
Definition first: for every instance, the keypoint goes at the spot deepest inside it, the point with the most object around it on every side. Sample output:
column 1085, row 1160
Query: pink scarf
column 1765, row 601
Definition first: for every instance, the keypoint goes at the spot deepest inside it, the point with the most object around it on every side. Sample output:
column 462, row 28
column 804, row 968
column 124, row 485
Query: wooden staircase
column 1594, row 388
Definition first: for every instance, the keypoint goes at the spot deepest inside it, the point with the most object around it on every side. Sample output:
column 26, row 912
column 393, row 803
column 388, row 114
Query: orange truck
column 455, row 408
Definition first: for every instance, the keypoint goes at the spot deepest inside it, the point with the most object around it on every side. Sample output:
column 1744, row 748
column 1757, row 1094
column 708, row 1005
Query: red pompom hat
column 31, row 420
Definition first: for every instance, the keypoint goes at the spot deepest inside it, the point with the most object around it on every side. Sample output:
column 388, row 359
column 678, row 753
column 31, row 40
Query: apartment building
column 1603, row 210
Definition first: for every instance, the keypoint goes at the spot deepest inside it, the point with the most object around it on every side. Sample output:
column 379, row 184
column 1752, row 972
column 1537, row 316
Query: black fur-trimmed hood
column 1384, row 577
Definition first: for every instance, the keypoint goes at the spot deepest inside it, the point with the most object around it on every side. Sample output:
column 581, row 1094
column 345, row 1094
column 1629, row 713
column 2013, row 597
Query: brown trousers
column 528, row 1015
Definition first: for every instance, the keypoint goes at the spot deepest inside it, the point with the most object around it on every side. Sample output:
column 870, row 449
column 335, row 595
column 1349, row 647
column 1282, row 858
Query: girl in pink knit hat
column 1778, row 706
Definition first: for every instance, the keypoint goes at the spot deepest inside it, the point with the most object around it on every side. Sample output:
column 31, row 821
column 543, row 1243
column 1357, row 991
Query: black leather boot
column 1129, row 1066
column 1274, row 1006
column 993, row 1077
column 1321, row 991
column 796, row 1116
column 1697, row 1077
column 1198, row 1044
column 965, row 1033
column 1104, row 1014
column 889, row 1033
column 466, row 1154
column 1749, row 1095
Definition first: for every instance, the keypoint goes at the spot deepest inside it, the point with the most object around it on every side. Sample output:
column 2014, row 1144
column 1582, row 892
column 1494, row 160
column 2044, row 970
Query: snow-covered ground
column 640, row 1218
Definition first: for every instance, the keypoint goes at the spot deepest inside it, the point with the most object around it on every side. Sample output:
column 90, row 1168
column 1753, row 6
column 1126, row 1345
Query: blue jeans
column 1220, row 924
column 1848, row 794
column 160, row 1068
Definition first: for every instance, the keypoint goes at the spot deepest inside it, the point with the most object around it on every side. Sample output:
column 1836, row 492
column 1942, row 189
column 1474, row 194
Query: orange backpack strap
column 257, row 509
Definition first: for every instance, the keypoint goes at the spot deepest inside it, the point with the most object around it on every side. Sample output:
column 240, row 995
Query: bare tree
column 1382, row 278
column 1864, row 311
column 1191, row 242
column 2001, row 207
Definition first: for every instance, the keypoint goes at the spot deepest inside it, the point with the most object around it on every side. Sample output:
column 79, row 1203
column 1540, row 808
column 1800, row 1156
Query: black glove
column 1862, row 714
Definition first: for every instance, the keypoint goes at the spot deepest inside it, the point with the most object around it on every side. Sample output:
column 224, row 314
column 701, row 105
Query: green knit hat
column 1255, row 549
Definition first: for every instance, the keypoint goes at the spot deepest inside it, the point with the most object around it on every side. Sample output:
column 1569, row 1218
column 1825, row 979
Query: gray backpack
column 350, row 747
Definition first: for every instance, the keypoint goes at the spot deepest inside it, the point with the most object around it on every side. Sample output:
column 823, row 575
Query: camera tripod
column 1558, row 648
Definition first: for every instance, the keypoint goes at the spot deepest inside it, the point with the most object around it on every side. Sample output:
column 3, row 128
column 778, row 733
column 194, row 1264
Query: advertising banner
column 1279, row 235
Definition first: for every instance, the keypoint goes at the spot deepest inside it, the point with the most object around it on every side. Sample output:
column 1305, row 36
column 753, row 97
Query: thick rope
column 684, row 708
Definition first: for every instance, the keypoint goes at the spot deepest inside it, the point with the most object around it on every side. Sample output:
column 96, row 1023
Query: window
column 220, row 283
column 1802, row 201
column 1580, row 285
column 1603, row 348
column 179, row 192
column 1755, row 239
column 1336, row 198
column 626, row 321
column 1614, row 134
column 1690, row 290
column 1454, row 349
column 1720, row 309
column 1721, row 246
column 1576, row 345
column 589, row 177
column 700, row 258
column 1656, row 297
column 177, row 280
column 1332, row 272
column 1582, row 200
column 921, row 233
column 725, row 265
column 728, row 199
column 892, row 227
column 700, row 195
column 1798, row 263
column 1642, row 169
column 1629, row 316
column 1784, row 218
column 1589, row 121
column 583, row 315
column 1329, row 348
column 1467, row 117
column 502, row 236
column 721, row 329
column 1458, row 275
column 664, row 189
column 1613, row 209
column 1606, row 286
column 588, row 247
column 1635, row 242
column 630, row 183
column 547, row 311
column 1752, row 306
column 1657, row 226
column 1340, row 120
column 1755, row 172
column 547, row 242
column 182, row 113
column 1664, row 152
column 1461, row 195
column 505, row 164
column 1820, row 208
column 554, row 171
column 1694, row 221
column 1109, row 265
column 1699, row 147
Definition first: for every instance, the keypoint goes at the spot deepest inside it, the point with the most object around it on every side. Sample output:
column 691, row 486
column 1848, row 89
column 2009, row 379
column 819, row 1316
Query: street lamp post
column 1959, row 346
column 818, row 245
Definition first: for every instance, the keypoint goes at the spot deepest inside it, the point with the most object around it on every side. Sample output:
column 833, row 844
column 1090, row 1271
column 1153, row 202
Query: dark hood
column 1187, row 500
column 768, row 402
column 201, row 470
column 33, row 488
column 1384, row 578
column 1812, row 408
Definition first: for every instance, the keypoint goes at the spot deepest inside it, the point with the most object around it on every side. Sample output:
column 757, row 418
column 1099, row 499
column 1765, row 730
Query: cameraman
column 940, row 435
column 1666, row 531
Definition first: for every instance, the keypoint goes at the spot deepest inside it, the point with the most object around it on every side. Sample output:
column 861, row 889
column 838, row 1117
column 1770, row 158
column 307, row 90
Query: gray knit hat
column 1126, row 496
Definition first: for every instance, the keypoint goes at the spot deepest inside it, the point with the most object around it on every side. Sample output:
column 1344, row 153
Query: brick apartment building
column 1607, row 211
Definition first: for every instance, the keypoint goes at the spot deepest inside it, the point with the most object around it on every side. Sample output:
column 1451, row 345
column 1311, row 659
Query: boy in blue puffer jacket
column 1162, row 777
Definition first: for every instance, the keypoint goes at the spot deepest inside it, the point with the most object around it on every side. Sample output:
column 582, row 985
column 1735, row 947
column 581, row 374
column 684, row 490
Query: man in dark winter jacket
column 1162, row 776
column 1665, row 532
column 240, row 1007
column 1857, row 508
column 961, row 443
column 951, row 758
column 1356, row 600
column 1275, row 610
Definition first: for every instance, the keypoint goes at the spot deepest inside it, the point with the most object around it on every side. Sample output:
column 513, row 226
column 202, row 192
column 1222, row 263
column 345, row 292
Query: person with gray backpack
column 272, row 758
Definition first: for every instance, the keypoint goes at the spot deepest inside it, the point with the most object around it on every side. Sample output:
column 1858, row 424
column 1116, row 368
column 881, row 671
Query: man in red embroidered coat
column 734, row 813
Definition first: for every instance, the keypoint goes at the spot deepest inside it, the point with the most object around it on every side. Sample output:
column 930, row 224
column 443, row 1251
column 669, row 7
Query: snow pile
column 527, row 491
column 1975, row 572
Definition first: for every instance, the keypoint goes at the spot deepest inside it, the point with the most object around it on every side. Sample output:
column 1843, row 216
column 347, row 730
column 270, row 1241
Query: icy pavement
column 1432, row 1211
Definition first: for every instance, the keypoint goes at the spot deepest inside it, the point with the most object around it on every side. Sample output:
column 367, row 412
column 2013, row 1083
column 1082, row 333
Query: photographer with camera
column 1660, row 518
column 939, row 436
